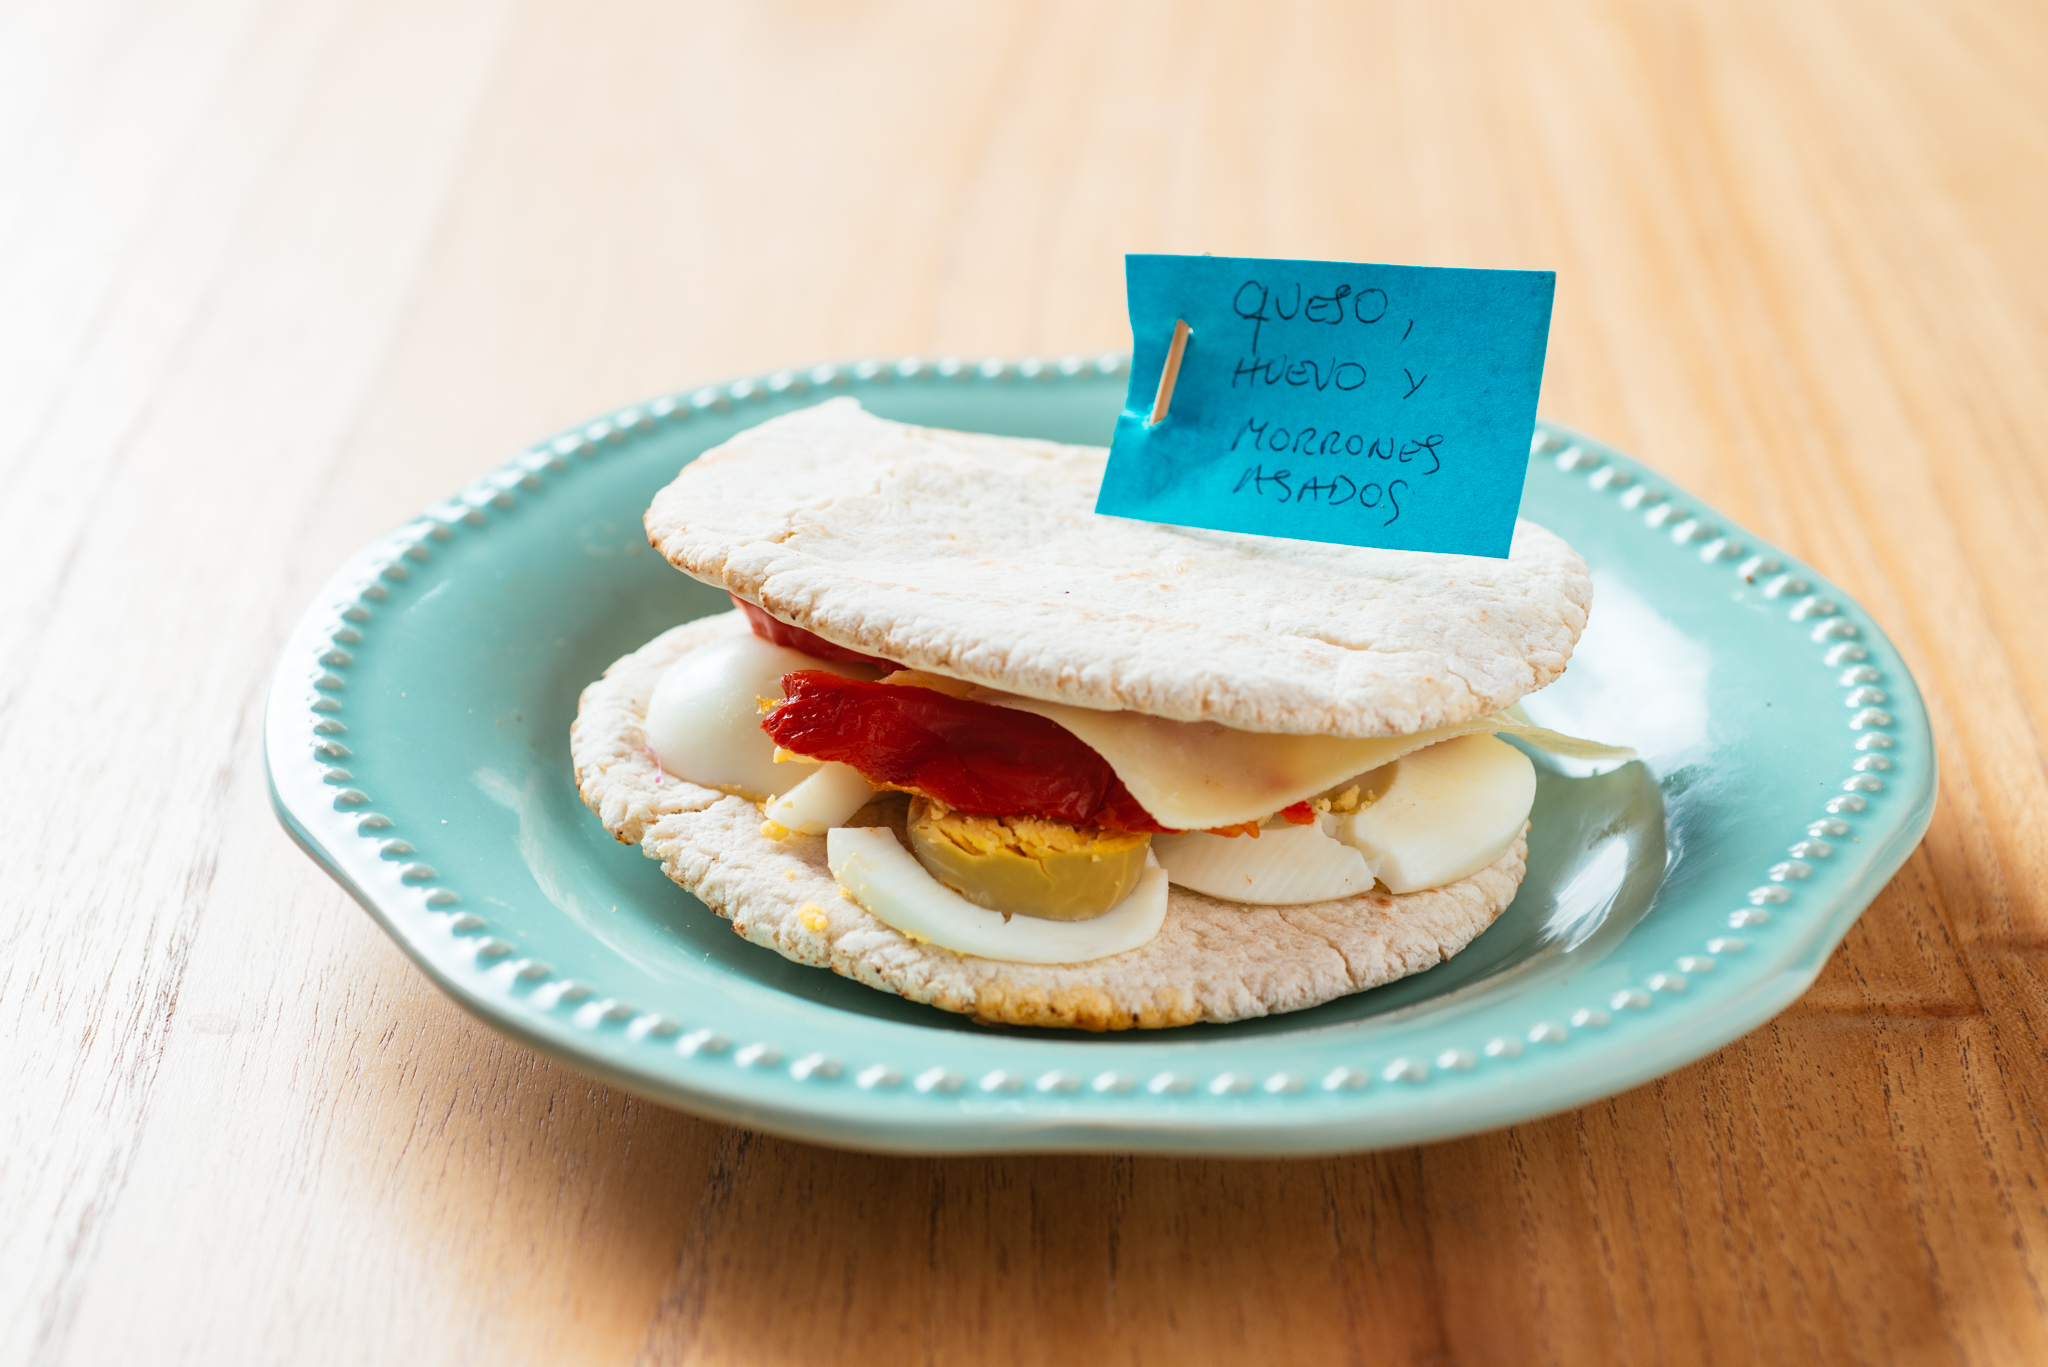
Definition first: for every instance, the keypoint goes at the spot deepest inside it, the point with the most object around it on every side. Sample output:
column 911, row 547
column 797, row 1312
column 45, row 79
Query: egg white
column 877, row 872
column 704, row 720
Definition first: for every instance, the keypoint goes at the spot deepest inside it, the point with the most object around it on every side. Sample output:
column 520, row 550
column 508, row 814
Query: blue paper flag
column 1332, row 401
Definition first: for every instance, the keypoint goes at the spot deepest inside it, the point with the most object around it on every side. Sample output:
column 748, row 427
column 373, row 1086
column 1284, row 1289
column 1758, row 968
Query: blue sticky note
column 1332, row 401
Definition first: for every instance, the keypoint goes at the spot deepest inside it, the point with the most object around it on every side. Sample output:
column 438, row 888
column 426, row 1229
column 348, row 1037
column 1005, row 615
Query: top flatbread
column 982, row 558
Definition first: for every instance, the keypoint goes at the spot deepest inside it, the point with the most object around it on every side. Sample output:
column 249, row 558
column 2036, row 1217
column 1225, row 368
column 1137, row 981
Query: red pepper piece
column 975, row 756
column 1300, row 814
column 810, row 643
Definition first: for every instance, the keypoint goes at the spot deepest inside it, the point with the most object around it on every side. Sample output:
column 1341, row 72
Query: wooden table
column 277, row 275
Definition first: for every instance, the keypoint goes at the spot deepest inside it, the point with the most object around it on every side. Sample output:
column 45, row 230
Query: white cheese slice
column 882, row 876
column 1192, row 776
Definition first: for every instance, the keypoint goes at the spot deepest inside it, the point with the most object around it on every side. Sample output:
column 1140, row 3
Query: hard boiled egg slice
column 1282, row 866
column 832, row 794
column 704, row 719
column 882, row 876
column 1447, row 812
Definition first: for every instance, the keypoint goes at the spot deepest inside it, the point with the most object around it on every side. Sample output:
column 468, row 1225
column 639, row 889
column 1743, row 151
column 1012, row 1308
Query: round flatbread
column 1211, row 961
column 982, row 558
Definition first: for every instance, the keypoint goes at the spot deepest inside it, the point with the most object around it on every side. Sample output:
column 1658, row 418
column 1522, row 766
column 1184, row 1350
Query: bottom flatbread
column 1211, row 961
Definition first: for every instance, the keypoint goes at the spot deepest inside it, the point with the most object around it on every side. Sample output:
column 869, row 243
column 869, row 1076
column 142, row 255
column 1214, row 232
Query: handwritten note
column 1330, row 401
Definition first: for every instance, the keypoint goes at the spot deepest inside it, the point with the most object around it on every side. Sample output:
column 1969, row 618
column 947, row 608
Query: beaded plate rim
column 717, row 1067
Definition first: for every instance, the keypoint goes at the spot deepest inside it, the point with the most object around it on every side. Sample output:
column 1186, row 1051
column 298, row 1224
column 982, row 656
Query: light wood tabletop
column 279, row 273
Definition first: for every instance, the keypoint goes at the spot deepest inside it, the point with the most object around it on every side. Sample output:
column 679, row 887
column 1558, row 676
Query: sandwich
column 965, row 740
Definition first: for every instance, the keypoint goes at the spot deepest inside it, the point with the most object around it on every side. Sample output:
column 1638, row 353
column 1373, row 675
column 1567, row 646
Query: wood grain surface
column 274, row 274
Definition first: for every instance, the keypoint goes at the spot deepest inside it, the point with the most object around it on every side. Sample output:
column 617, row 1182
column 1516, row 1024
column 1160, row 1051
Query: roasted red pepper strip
column 810, row 643
column 971, row 755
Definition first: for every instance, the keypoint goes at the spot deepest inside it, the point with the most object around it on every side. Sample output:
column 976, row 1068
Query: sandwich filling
column 1054, row 814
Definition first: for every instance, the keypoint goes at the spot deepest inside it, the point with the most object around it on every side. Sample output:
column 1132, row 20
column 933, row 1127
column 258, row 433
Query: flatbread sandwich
column 964, row 740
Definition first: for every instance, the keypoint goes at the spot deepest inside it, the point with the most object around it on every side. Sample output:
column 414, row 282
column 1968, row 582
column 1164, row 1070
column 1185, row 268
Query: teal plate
column 417, row 736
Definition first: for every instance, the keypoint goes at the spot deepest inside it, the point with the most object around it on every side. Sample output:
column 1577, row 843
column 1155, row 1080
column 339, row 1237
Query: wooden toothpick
column 1164, row 398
